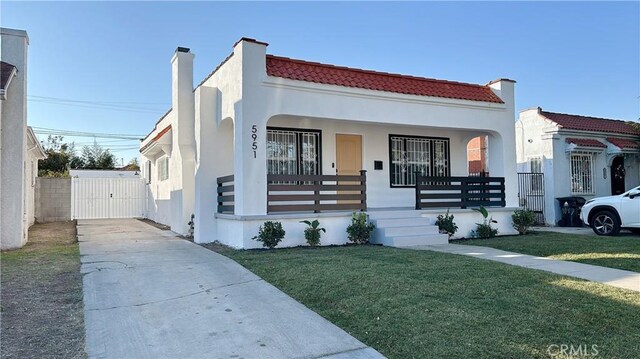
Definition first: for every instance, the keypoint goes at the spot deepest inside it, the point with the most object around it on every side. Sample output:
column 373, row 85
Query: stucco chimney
column 183, row 164
column 182, row 100
column 505, row 89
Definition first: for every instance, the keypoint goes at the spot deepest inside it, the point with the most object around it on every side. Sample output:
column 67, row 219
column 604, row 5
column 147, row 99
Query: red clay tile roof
column 380, row 81
column 586, row 142
column 585, row 123
column 623, row 142
column 5, row 72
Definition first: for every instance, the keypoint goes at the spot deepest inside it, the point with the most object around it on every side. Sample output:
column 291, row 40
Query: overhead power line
column 52, row 131
column 99, row 102
column 141, row 107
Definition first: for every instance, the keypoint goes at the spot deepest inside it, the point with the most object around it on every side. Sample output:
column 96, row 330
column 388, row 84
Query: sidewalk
column 148, row 294
column 614, row 277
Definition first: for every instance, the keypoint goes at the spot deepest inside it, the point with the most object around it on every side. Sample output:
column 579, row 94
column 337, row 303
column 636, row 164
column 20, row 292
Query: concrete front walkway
column 615, row 277
column 148, row 294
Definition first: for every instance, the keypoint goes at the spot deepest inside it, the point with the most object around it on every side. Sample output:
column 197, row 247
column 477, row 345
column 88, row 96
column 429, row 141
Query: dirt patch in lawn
column 42, row 295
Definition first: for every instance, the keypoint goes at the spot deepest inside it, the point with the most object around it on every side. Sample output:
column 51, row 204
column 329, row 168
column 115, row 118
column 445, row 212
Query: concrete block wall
column 53, row 199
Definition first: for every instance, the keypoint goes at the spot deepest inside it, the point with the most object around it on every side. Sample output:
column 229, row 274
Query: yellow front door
column 348, row 158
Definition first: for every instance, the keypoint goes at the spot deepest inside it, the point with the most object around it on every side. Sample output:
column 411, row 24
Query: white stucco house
column 579, row 155
column 19, row 146
column 266, row 137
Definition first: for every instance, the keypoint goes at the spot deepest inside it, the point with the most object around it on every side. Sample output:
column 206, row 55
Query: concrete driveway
column 148, row 294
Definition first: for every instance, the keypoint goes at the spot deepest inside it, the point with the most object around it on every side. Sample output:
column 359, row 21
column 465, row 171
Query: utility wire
column 97, row 102
column 52, row 131
column 101, row 107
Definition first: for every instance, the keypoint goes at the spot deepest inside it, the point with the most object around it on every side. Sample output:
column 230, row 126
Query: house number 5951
column 254, row 137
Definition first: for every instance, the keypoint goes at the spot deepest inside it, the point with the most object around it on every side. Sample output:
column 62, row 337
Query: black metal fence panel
column 531, row 193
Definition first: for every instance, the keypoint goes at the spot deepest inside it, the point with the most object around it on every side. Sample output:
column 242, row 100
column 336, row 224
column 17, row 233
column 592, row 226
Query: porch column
column 250, row 131
column 250, row 163
column 501, row 163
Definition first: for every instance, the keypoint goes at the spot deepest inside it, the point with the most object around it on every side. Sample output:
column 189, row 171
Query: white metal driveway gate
column 93, row 198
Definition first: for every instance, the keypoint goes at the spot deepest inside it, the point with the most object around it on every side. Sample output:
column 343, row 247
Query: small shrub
column 359, row 231
column 523, row 219
column 484, row 229
column 446, row 224
column 270, row 234
column 312, row 232
column 191, row 225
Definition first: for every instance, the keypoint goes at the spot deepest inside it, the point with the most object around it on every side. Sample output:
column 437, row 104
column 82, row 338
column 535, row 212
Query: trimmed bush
column 522, row 220
column 446, row 224
column 359, row 231
column 270, row 234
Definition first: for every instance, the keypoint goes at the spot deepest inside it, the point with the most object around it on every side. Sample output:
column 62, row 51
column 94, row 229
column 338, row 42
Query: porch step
column 402, row 222
column 410, row 231
column 405, row 229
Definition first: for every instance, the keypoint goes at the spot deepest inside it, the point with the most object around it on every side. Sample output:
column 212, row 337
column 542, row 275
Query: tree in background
column 62, row 156
column 96, row 157
column 133, row 165
column 59, row 155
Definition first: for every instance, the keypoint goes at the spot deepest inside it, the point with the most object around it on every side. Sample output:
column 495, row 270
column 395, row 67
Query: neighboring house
column 19, row 146
column 579, row 156
column 104, row 173
column 477, row 155
column 259, row 123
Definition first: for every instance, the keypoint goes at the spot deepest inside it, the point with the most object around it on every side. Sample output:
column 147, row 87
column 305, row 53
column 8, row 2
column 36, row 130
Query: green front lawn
column 613, row 252
column 423, row 304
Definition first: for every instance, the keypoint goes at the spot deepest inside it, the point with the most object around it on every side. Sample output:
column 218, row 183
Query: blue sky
column 573, row 57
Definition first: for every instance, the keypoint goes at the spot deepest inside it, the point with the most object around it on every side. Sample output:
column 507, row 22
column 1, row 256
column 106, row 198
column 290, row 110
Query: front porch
column 326, row 193
column 331, row 199
column 302, row 168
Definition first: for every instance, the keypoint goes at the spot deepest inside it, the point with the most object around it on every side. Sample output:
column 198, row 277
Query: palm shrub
column 446, row 224
column 270, row 234
column 522, row 220
column 359, row 231
column 312, row 232
column 484, row 229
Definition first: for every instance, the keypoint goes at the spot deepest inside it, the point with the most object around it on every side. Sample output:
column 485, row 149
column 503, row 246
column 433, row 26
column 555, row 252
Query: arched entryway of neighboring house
column 617, row 175
column 477, row 156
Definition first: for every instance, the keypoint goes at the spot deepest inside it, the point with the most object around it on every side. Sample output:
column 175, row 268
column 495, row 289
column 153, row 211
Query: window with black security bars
column 293, row 151
column 410, row 155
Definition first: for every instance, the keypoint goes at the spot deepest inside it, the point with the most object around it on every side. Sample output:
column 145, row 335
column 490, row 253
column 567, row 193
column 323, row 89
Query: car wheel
column 605, row 223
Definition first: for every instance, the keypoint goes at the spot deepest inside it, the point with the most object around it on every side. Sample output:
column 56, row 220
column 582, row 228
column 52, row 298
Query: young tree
column 133, row 165
column 95, row 157
column 59, row 155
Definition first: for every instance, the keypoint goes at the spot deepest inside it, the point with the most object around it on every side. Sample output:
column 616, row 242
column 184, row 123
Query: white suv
column 607, row 215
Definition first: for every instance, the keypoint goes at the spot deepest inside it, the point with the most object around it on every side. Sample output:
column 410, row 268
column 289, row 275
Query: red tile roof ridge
column 623, row 142
column 373, row 72
column 589, row 123
column 583, row 116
